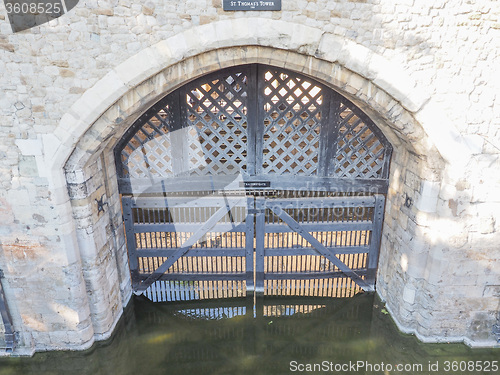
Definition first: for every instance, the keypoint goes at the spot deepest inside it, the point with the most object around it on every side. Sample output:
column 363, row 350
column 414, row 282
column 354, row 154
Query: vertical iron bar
column 249, row 248
column 378, row 218
column 254, row 123
column 260, row 206
column 260, row 84
column 128, row 221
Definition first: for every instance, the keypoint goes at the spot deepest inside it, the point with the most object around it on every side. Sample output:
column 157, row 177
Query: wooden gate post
column 376, row 236
column 249, row 237
column 128, row 220
column 260, row 233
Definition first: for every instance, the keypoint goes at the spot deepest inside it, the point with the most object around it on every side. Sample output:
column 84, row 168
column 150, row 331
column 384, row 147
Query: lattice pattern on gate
column 217, row 121
column 289, row 125
column 149, row 152
column 293, row 109
column 359, row 152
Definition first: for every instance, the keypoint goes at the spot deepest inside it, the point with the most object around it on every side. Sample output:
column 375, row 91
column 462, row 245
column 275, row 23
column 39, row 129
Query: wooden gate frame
column 172, row 255
column 278, row 206
column 255, row 228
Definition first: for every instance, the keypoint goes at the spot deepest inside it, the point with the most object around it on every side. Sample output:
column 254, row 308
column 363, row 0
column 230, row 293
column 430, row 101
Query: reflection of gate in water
column 253, row 178
column 275, row 330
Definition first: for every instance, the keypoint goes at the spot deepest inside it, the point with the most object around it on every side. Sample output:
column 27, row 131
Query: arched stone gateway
column 253, row 152
column 79, row 160
column 90, row 167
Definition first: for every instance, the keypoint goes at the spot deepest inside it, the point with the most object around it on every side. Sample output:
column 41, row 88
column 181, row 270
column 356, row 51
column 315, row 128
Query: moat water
column 274, row 336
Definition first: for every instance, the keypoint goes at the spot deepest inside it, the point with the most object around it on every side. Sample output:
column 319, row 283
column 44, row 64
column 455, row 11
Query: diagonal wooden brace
column 209, row 224
column 322, row 249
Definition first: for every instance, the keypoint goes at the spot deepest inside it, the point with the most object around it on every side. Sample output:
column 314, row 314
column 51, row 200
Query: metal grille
column 360, row 154
column 258, row 121
column 292, row 122
column 217, row 117
column 149, row 152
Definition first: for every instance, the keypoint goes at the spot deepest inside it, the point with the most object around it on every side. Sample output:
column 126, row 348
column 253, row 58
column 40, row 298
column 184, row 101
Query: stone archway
column 253, row 125
column 84, row 140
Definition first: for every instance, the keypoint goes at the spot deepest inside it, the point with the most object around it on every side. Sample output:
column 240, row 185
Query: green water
column 273, row 337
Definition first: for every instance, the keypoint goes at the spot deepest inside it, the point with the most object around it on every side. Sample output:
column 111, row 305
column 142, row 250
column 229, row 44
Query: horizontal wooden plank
column 321, row 202
column 297, row 251
column 189, row 201
column 308, row 275
column 320, row 227
column 188, row 228
column 240, row 252
column 197, row 252
column 240, row 227
column 198, row 276
column 236, row 183
column 178, row 184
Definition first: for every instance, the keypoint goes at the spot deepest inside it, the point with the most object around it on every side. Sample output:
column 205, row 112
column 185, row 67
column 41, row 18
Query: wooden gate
column 185, row 248
column 309, row 246
column 190, row 247
column 252, row 178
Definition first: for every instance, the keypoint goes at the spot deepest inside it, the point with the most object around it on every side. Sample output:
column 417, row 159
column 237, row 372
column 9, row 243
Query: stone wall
column 424, row 72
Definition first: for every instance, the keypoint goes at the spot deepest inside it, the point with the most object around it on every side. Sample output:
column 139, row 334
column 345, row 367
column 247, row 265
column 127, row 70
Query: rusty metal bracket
column 100, row 205
column 408, row 200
